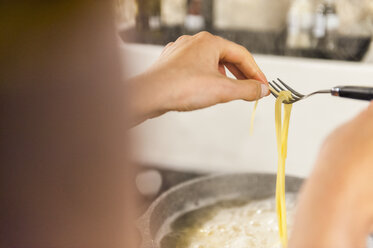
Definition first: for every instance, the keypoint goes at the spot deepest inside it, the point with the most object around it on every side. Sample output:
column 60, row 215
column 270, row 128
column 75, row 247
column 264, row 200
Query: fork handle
column 353, row 92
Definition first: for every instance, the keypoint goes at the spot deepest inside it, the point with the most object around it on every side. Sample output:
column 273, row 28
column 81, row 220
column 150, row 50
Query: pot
column 209, row 189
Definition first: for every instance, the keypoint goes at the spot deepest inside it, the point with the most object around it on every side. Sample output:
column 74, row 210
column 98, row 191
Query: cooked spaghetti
column 253, row 118
column 282, row 137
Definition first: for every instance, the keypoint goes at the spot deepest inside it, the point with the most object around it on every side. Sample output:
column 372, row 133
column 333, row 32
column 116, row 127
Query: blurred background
column 330, row 29
column 310, row 44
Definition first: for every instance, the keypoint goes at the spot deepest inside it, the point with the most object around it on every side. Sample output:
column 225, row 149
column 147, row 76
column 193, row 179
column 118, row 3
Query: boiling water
column 229, row 224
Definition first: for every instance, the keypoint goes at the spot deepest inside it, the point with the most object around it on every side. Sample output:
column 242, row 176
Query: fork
column 353, row 92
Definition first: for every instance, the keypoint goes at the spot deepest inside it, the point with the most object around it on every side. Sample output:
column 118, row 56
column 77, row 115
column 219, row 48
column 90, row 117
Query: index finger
column 239, row 56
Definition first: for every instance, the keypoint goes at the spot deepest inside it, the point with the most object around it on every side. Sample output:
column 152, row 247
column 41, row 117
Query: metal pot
column 207, row 189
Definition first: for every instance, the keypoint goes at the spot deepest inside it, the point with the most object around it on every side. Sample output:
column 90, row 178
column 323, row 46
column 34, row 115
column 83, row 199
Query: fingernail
column 265, row 90
column 264, row 79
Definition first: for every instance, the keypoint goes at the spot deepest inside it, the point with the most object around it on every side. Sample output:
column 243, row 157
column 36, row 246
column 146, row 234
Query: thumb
column 250, row 89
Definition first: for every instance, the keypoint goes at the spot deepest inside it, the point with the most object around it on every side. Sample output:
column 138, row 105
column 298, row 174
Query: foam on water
column 233, row 224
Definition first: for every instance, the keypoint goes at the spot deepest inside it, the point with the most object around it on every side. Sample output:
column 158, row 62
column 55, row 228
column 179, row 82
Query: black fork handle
column 354, row 92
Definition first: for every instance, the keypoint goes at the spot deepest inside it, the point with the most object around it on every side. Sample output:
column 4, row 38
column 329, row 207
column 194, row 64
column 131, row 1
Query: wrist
column 148, row 100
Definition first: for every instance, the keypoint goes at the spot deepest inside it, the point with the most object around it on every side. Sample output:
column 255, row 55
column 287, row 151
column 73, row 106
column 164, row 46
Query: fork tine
column 278, row 86
column 290, row 89
column 293, row 96
column 273, row 92
column 274, row 87
column 292, row 101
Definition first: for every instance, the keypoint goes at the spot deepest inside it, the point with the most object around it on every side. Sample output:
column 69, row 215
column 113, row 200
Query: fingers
column 249, row 90
column 239, row 75
column 183, row 38
column 221, row 69
column 170, row 47
column 167, row 48
column 233, row 53
column 235, row 71
column 238, row 60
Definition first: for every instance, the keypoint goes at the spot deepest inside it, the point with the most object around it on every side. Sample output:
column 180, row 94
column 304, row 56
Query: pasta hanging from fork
column 282, row 136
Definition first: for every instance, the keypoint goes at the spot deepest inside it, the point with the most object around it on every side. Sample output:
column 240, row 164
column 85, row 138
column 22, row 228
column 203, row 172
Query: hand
column 336, row 204
column 190, row 75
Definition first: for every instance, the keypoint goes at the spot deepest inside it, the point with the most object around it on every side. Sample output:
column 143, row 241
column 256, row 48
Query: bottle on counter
column 148, row 16
column 194, row 20
column 300, row 21
column 173, row 12
column 326, row 27
column 319, row 28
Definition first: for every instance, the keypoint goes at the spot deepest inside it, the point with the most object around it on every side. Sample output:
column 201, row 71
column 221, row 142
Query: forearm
column 337, row 210
column 336, row 204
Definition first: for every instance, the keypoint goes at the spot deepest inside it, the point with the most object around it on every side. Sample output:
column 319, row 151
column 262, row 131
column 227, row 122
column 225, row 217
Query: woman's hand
column 336, row 204
column 190, row 75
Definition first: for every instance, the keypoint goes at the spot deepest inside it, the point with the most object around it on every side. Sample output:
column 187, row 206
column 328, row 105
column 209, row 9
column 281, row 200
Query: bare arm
column 336, row 204
column 64, row 176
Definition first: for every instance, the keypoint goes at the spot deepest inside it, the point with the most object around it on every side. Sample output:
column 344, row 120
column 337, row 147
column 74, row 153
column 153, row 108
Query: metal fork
column 353, row 92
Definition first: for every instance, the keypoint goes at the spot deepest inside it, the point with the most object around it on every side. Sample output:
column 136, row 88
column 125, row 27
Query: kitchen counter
column 217, row 139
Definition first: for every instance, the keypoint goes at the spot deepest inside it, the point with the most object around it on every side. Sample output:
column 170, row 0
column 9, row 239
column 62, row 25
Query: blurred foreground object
column 64, row 175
